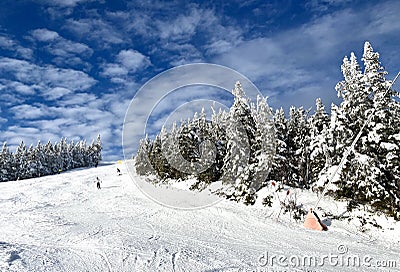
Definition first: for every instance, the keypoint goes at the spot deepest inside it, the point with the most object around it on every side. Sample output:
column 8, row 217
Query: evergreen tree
column 191, row 151
column 6, row 162
column 280, row 166
column 39, row 158
column 210, row 160
column 157, row 159
column 31, row 163
column 98, row 148
column 48, row 159
column 175, row 165
column 94, row 151
column 368, row 176
column 319, row 155
column 380, row 143
column 79, row 154
column 240, row 131
column 266, row 142
column 298, row 142
column 142, row 162
column 20, row 162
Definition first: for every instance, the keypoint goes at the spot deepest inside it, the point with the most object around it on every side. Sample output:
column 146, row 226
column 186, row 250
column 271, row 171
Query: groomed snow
column 63, row 223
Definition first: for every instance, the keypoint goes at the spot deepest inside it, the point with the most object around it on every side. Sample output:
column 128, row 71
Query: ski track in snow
column 64, row 223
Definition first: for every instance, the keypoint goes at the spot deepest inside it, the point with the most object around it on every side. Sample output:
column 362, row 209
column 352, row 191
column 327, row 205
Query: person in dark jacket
column 98, row 183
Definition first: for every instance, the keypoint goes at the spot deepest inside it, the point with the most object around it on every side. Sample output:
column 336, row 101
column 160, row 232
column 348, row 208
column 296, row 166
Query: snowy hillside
column 63, row 223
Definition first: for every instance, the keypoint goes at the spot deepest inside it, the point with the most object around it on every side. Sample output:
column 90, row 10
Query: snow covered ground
column 63, row 223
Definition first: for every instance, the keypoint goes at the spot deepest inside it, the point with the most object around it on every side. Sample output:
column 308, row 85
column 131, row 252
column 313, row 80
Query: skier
column 98, row 183
column 118, row 171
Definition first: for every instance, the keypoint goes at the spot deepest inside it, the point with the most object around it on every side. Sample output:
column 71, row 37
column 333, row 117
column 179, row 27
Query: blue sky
column 71, row 67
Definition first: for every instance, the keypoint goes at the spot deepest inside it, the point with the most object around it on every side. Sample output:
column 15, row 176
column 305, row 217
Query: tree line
column 252, row 145
column 48, row 159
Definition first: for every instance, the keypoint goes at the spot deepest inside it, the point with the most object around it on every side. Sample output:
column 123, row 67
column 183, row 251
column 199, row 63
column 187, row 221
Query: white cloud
column 98, row 30
column 68, row 78
column 177, row 35
column 14, row 135
column 24, row 89
column 127, row 61
column 132, row 59
column 78, row 116
column 219, row 47
column 384, row 19
column 15, row 48
column 18, row 87
column 116, row 79
column 114, row 70
column 324, row 5
column 9, row 100
column 63, row 3
column 132, row 22
column 183, row 27
column 46, row 77
column 69, row 108
column 44, row 35
column 25, row 53
column 288, row 66
column 172, row 38
column 65, row 51
column 179, row 54
column 65, row 47
column 54, row 125
column 76, row 99
column 6, row 42
column 29, row 112
column 55, row 93
column 184, row 102
column 2, row 119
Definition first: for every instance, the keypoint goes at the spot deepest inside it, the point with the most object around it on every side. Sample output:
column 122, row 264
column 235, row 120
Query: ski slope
column 63, row 223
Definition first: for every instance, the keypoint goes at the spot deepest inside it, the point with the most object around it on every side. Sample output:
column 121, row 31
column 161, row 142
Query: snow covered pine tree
column 371, row 175
column 319, row 158
column 247, row 156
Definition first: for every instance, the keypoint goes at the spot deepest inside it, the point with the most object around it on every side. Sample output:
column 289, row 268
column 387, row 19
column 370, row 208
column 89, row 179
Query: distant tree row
column 308, row 146
column 48, row 159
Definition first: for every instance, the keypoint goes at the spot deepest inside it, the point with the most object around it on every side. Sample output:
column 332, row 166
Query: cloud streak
column 95, row 29
column 65, row 52
column 14, row 48
column 45, row 77
column 296, row 66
